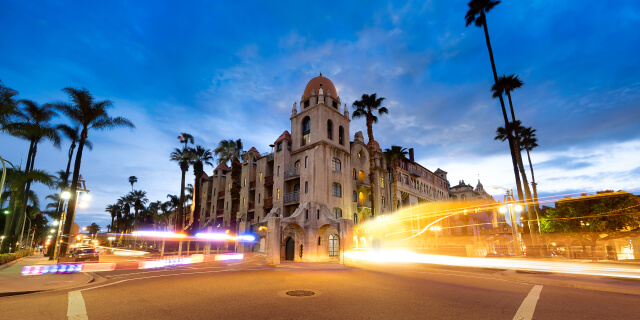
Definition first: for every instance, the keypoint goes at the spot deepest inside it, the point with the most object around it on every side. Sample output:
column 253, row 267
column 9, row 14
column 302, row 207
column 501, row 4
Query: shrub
column 6, row 257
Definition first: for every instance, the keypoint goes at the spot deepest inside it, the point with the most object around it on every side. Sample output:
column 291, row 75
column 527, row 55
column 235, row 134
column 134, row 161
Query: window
column 258, row 198
column 297, row 164
column 278, row 171
column 337, row 212
column 260, row 178
column 336, row 164
column 355, row 196
column 319, row 240
column 334, row 245
column 337, row 189
column 243, row 201
column 245, row 182
column 382, row 182
column 382, row 200
column 229, row 186
column 227, row 204
column 306, row 214
column 355, row 218
column 306, row 131
column 278, row 194
column 306, row 187
column 306, row 162
column 318, row 217
column 306, row 103
column 329, row 129
column 279, row 146
column 355, row 176
column 341, row 135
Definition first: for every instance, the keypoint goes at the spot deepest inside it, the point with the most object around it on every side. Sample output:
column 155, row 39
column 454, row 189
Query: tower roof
column 376, row 146
column 317, row 83
column 223, row 167
column 284, row 136
column 255, row 152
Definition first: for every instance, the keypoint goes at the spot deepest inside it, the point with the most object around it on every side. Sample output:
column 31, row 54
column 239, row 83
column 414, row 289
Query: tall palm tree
column 231, row 151
column 132, row 180
column 477, row 15
column 139, row 198
column 529, row 141
column 182, row 157
column 124, row 203
column 200, row 157
column 88, row 114
column 366, row 108
column 112, row 209
column 7, row 104
column 394, row 155
column 186, row 139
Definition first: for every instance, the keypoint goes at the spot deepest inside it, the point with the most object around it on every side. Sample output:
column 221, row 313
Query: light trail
column 568, row 267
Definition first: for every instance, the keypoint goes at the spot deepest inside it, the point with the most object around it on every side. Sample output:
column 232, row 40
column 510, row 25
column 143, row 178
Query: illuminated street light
column 55, row 222
column 503, row 209
column 65, row 195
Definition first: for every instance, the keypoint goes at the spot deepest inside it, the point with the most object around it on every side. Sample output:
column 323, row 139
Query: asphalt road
column 248, row 290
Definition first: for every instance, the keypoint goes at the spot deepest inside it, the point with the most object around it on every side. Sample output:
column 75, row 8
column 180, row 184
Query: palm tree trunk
column 71, row 205
column 181, row 206
column 371, row 164
column 533, row 182
column 31, row 158
column 195, row 226
column 9, row 224
column 395, row 187
column 506, row 119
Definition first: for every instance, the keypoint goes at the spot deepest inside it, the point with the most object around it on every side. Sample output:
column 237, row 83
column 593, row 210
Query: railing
column 293, row 172
column 364, row 182
column 252, row 205
column 269, row 155
column 221, row 194
column 220, row 213
column 268, row 202
column 364, row 204
column 252, row 185
column 268, row 179
column 415, row 172
column 292, row 197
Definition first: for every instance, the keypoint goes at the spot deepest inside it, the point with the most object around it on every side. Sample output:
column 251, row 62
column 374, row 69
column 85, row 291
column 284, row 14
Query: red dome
column 317, row 83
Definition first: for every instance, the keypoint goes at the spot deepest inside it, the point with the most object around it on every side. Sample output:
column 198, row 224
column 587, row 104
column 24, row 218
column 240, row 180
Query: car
column 85, row 254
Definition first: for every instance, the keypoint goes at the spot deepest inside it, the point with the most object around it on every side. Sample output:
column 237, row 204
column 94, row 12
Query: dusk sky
column 229, row 70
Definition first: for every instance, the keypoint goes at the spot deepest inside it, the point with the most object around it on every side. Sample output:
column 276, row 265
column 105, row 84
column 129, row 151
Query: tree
column 366, row 108
column 112, row 209
column 529, row 141
column 94, row 228
column 88, row 115
column 186, row 139
column 132, row 180
column 231, row 151
column 477, row 15
column 7, row 104
column 182, row 157
column 124, row 203
column 394, row 155
column 139, row 198
column 200, row 156
column 589, row 219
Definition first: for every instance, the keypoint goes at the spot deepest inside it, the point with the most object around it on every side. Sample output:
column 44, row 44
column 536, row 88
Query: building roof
column 440, row 171
column 317, row 83
column 284, row 136
column 376, row 145
column 255, row 152
column 223, row 167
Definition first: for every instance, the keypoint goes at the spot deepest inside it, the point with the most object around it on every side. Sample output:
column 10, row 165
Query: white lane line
column 75, row 308
column 528, row 306
column 465, row 276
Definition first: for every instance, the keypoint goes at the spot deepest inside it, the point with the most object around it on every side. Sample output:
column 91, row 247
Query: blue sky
column 225, row 69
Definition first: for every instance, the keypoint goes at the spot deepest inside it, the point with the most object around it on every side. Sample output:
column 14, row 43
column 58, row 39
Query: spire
column 294, row 110
column 346, row 111
column 321, row 73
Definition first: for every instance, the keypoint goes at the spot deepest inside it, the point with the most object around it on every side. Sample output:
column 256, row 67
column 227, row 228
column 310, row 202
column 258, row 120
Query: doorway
column 290, row 249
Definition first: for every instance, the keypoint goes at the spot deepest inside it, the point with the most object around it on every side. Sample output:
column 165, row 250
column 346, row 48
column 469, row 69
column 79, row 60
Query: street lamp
column 66, row 195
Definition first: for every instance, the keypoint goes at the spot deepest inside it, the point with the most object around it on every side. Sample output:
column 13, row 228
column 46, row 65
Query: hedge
column 6, row 257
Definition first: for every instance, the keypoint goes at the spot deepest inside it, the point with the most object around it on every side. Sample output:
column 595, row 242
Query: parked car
column 85, row 254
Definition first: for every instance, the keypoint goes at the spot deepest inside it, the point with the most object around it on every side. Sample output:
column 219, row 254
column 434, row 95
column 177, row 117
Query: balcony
column 268, row 180
column 292, row 197
column 220, row 213
column 292, row 173
column 415, row 172
column 364, row 204
column 364, row 183
column 252, row 185
column 221, row 194
column 252, row 206
column 268, row 203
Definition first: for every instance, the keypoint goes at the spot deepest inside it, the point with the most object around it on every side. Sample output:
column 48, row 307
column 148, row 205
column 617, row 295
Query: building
column 315, row 180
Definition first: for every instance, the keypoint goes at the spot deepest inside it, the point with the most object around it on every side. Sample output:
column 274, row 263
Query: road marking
column 465, row 276
column 75, row 308
column 528, row 306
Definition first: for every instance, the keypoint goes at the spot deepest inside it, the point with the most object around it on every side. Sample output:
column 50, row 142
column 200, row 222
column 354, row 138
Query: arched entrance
column 290, row 249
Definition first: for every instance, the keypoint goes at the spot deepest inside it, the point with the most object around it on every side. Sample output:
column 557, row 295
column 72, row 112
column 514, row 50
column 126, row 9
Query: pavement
column 12, row 282
column 249, row 289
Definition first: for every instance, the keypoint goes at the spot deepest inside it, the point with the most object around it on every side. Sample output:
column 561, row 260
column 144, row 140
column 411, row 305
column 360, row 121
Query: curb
column 90, row 278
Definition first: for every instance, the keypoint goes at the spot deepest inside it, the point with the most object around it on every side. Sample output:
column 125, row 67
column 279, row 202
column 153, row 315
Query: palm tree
column 123, row 214
column 7, row 104
column 182, row 157
column 529, row 141
column 366, row 108
column 393, row 156
column 477, row 15
column 139, row 198
column 200, row 156
column 132, row 180
column 113, row 210
column 231, row 151
column 94, row 228
column 186, row 139
column 89, row 115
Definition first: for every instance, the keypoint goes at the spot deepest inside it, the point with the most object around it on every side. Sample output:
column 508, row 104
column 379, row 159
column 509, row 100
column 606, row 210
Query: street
column 249, row 290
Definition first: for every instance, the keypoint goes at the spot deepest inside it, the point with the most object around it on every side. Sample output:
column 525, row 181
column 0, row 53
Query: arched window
column 337, row 190
column 278, row 172
column 341, row 135
column 355, row 218
column 355, row 196
column 306, row 162
column 277, row 194
column 318, row 217
column 382, row 182
column 336, row 164
column 337, row 212
column 306, row 131
column 355, row 175
column 334, row 245
column 297, row 164
column 258, row 198
column 306, row 187
column 245, row 182
column 306, row 214
column 329, row 129
column 260, row 179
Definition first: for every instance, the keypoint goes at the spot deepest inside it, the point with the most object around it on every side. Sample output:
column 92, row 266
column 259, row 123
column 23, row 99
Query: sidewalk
column 12, row 282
